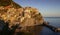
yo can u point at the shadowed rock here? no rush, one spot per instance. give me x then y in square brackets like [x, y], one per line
[6, 30]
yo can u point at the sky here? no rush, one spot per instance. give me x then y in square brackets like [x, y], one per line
[48, 8]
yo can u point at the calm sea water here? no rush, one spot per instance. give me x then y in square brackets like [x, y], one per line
[54, 22]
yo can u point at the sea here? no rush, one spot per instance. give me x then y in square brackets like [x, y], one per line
[53, 21]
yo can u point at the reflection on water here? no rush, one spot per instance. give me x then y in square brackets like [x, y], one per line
[54, 22]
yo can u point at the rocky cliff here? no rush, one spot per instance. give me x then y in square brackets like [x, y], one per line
[28, 18]
[24, 16]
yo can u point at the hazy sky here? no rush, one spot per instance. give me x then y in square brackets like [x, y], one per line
[48, 8]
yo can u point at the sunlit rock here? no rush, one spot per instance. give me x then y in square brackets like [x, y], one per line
[28, 18]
